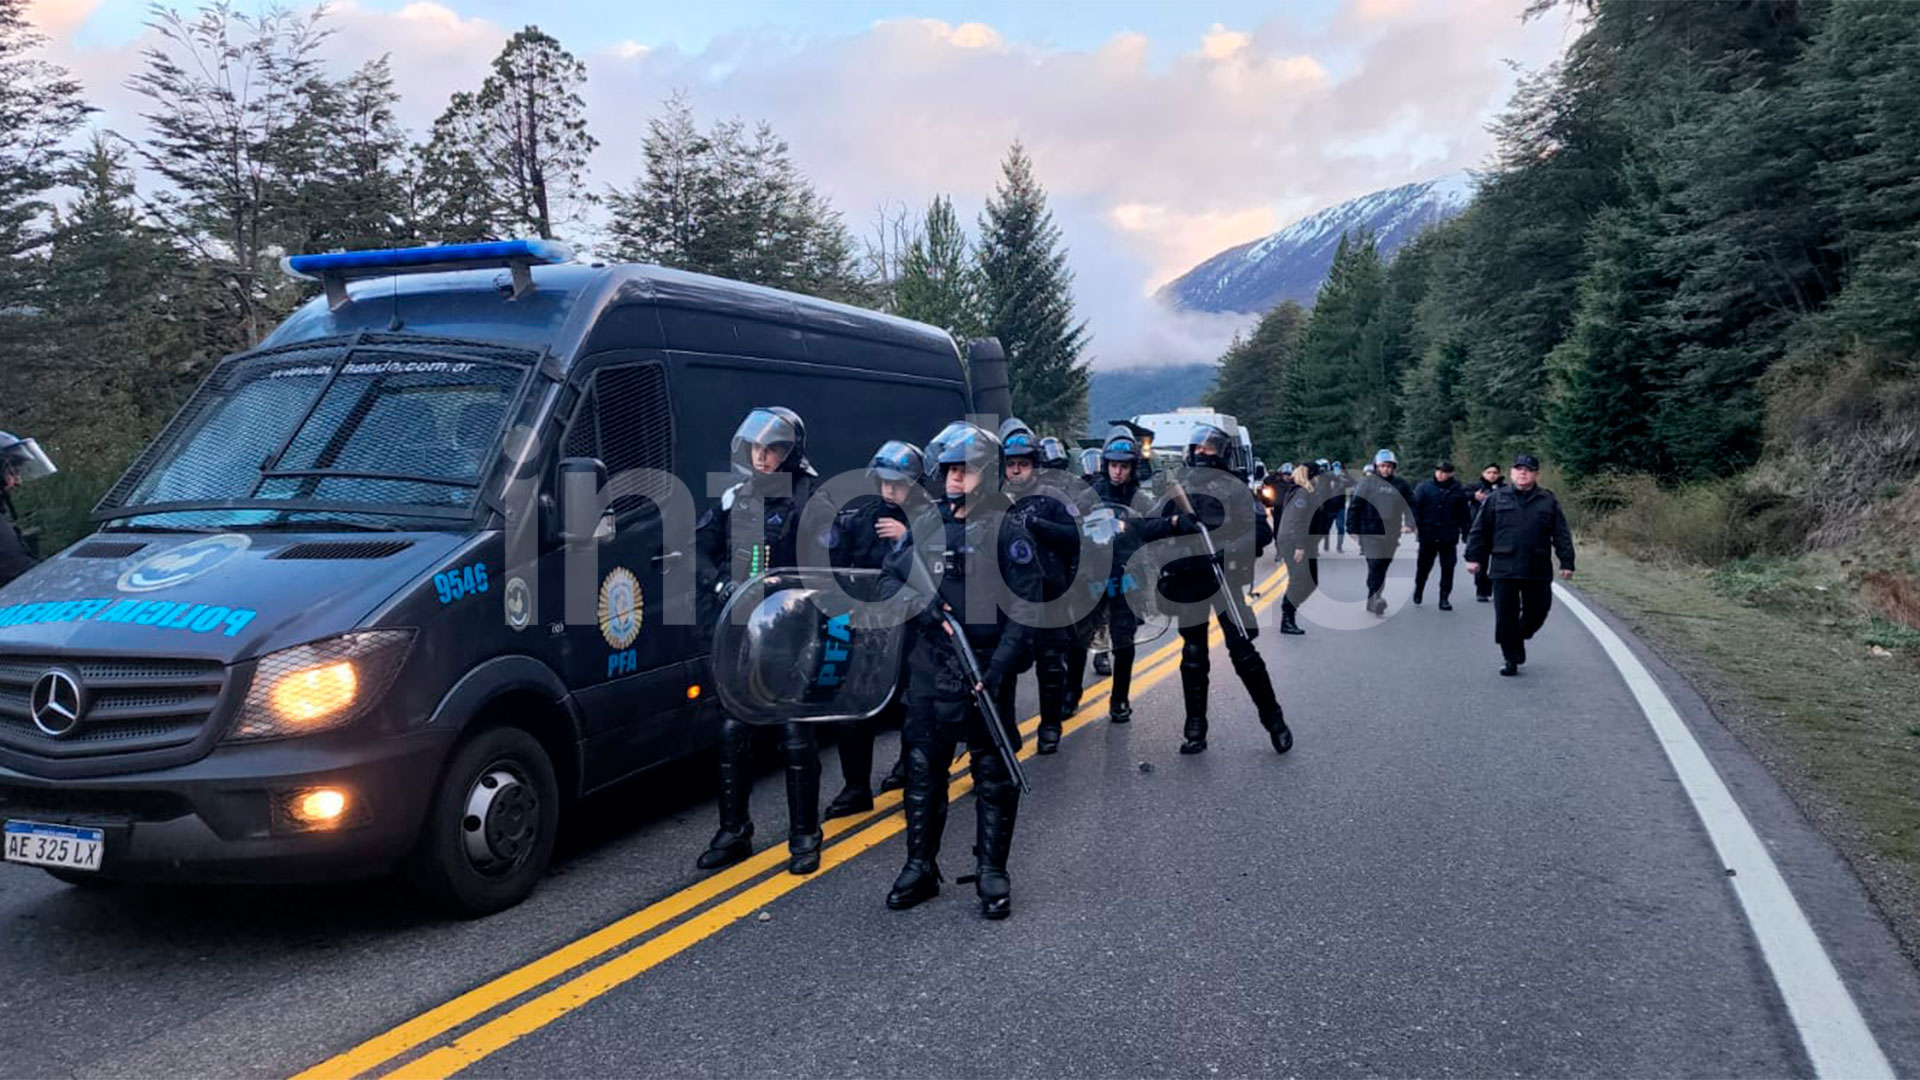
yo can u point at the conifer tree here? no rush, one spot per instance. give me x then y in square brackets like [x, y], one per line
[1026, 300]
[938, 283]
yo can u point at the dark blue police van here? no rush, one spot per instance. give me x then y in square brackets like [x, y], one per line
[323, 629]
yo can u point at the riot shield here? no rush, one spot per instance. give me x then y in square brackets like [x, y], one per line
[796, 645]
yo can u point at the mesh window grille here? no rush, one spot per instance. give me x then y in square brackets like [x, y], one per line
[626, 420]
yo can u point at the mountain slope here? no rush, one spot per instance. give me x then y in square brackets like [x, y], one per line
[1291, 264]
[1124, 392]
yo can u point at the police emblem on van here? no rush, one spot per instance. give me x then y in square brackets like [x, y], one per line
[621, 608]
[182, 564]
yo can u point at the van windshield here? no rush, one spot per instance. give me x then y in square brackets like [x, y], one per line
[344, 432]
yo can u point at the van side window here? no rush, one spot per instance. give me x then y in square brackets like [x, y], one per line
[626, 420]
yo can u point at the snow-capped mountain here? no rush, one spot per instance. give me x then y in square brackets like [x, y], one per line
[1291, 264]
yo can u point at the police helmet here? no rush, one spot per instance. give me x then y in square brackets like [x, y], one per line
[24, 458]
[1090, 462]
[1120, 446]
[1321, 464]
[1020, 442]
[1385, 457]
[1286, 468]
[1010, 425]
[897, 460]
[973, 448]
[935, 445]
[1053, 453]
[774, 426]
[1210, 446]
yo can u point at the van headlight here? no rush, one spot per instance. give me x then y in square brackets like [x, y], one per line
[321, 685]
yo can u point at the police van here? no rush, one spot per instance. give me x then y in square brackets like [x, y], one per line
[392, 590]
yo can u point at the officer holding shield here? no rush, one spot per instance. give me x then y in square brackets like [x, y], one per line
[867, 534]
[1117, 490]
[754, 526]
[1043, 545]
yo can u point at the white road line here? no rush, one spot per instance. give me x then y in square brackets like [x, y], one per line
[1835, 1035]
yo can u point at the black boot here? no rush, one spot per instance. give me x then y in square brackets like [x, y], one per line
[1048, 738]
[734, 841]
[803, 799]
[1509, 669]
[925, 804]
[1120, 710]
[1277, 731]
[1196, 735]
[1103, 663]
[896, 777]
[1194, 670]
[997, 804]
[1288, 625]
[848, 803]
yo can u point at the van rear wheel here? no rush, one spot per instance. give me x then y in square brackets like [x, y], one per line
[490, 831]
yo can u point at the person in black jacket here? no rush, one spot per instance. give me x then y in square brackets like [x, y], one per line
[1238, 537]
[1376, 515]
[942, 707]
[1119, 490]
[1045, 547]
[21, 460]
[1490, 481]
[753, 527]
[1519, 531]
[868, 534]
[1442, 514]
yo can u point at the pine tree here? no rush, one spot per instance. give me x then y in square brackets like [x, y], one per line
[1322, 414]
[40, 106]
[938, 281]
[1253, 374]
[1027, 300]
[522, 138]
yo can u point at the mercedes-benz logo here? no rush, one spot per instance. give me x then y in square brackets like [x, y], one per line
[56, 703]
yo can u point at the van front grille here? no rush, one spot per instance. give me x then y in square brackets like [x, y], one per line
[128, 705]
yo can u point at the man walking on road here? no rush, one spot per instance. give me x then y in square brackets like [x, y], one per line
[1490, 482]
[1376, 516]
[1441, 515]
[1519, 530]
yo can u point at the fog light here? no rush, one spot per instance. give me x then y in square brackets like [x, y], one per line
[322, 806]
[693, 692]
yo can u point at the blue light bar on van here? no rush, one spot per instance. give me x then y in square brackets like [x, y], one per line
[335, 269]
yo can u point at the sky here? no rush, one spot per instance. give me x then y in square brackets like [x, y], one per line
[1164, 132]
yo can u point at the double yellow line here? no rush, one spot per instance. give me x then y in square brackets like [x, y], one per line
[708, 918]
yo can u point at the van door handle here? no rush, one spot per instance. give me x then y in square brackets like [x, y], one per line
[668, 557]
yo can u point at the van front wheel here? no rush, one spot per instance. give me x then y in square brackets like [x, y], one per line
[490, 831]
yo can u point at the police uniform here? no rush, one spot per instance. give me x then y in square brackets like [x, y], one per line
[1300, 524]
[730, 554]
[1116, 605]
[1043, 547]
[1191, 580]
[16, 555]
[942, 710]
[21, 461]
[1515, 537]
[853, 541]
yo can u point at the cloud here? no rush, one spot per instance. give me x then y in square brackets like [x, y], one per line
[1155, 154]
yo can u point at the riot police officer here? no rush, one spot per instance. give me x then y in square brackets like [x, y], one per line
[1300, 523]
[942, 706]
[1044, 545]
[21, 460]
[753, 527]
[1238, 535]
[868, 534]
[1053, 454]
[1119, 488]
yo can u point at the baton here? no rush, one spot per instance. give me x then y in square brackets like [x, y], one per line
[1227, 594]
[922, 581]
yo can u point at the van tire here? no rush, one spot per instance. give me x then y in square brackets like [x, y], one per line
[490, 829]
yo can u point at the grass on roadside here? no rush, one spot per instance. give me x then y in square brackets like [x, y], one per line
[1822, 689]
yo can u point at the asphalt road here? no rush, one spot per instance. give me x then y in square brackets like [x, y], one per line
[1451, 874]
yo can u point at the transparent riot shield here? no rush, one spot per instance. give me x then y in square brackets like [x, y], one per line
[798, 645]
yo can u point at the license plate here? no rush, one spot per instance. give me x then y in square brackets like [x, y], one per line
[54, 845]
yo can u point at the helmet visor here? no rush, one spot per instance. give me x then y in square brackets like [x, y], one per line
[28, 461]
[765, 429]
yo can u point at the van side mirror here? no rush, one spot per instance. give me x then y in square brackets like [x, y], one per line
[584, 516]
